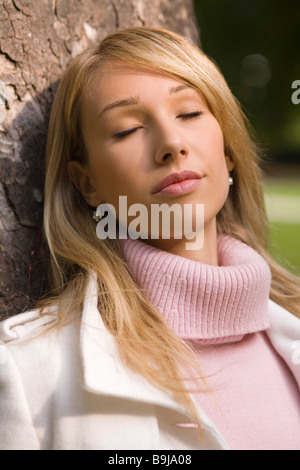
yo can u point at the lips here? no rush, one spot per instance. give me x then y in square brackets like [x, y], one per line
[176, 178]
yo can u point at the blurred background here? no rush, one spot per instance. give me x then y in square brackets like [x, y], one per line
[257, 47]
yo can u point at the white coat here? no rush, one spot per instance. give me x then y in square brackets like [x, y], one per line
[71, 391]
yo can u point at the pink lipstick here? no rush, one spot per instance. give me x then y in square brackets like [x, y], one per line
[182, 182]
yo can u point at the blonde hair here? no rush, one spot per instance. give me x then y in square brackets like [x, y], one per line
[145, 342]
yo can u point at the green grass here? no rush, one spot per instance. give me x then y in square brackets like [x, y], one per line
[283, 188]
[286, 245]
[285, 235]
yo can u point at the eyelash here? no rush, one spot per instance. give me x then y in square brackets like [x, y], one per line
[121, 134]
[185, 117]
[190, 115]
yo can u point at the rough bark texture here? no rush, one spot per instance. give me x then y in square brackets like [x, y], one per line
[37, 40]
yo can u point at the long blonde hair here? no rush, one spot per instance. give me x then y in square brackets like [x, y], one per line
[145, 342]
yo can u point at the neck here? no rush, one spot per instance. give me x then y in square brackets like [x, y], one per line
[206, 252]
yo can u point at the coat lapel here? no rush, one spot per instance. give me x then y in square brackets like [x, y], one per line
[104, 372]
[284, 334]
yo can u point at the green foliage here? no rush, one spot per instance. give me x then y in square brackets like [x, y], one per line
[233, 30]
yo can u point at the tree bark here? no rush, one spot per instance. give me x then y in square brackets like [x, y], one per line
[37, 41]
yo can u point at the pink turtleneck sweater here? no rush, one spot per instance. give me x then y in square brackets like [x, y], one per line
[223, 311]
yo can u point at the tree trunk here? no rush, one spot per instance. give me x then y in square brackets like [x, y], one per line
[37, 41]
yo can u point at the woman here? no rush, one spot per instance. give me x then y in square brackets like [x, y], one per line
[146, 344]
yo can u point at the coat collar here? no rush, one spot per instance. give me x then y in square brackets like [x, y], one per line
[104, 372]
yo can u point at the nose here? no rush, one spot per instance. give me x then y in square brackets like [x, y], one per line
[170, 144]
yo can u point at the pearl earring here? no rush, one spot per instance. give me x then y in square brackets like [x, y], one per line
[230, 180]
[96, 217]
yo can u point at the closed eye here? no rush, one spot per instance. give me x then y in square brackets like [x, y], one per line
[126, 132]
[192, 115]
[184, 116]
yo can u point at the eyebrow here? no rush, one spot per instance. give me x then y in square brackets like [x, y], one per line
[135, 99]
[178, 88]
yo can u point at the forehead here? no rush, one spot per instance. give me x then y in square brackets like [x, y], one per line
[118, 81]
[113, 77]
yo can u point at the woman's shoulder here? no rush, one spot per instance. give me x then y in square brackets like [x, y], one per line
[26, 325]
[28, 341]
[34, 347]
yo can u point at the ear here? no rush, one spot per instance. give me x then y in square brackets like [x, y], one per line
[80, 177]
[229, 163]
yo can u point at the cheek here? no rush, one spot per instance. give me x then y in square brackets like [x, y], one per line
[220, 180]
[114, 177]
[217, 168]
[217, 194]
[217, 140]
[210, 142]
[217, 155]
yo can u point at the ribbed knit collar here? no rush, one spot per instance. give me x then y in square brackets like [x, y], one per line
[212, 304]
